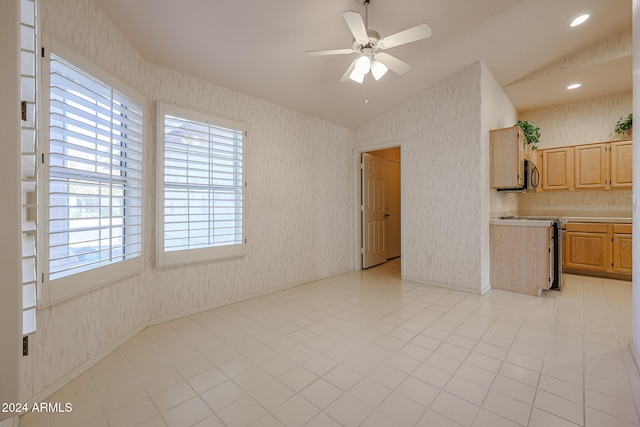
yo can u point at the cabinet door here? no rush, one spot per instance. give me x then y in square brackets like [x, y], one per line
[622, 260]
[506, 152]
[520, 258]
[556, 169]
[621, 164]
[590, 166]
[586, 251]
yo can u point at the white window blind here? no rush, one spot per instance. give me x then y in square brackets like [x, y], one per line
[29, 171]
[201, 187]
[94, 177]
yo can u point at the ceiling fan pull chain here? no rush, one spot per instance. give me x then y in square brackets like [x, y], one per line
[366, 89]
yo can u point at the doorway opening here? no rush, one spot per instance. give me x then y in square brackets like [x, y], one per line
[379, 207]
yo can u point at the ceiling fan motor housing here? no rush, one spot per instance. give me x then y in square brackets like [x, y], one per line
[371, 43]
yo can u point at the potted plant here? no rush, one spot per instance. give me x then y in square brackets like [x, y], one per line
[625, 125]
[531, 132]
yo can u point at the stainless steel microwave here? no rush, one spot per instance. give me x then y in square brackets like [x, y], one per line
[531, 179]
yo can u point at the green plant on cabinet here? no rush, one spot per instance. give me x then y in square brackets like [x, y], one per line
[531, 133]
[624, 124]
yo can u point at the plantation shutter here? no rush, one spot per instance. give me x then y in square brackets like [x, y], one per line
[95, 173]
[29, 170]
[202, 182]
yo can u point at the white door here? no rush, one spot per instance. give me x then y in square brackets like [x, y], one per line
[374, 250]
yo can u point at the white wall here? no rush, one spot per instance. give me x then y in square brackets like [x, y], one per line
[635, 340]
[10, 208]
[298, 208]
[580, 122]
[445, 197]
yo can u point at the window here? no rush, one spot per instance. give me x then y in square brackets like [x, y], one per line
[200, 186]
[93, 176]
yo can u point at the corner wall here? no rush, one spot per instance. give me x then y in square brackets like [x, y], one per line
[497, 112]
[445, 196]
[635, 294]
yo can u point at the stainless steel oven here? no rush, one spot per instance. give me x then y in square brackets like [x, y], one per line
[558, 230]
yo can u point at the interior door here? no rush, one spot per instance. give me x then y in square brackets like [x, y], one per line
[374, 250]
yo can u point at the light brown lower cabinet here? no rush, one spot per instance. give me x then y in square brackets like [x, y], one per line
[622, 259]
[598, 247]
[521, 258]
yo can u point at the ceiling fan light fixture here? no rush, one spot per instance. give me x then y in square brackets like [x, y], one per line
[378, 69]
[363, 65]
[356, 76]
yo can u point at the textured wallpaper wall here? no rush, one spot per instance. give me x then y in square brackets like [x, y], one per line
[496, 112]
[635, 341]
[580, 122]
[298, 207]
[575, 124]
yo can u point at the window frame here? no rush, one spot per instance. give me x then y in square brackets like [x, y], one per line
[187, 256]
[54, 290]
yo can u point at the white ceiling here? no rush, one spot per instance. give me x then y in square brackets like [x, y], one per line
[257, 47]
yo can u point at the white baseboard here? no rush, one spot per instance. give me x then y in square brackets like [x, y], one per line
[197, 310]
[72, 375]
[635, 354]
[10, 422]
[452, 287]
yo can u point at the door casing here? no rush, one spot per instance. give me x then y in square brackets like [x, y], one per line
[357, 188]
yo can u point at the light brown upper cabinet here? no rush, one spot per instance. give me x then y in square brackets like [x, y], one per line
[600, 166]
[621, 164]
[556, 169]
[507, 151]
[590, 166]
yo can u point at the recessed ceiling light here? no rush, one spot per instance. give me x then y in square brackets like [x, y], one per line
[574, 86]
[579, 20]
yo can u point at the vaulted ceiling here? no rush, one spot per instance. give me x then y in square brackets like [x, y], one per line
[257, 47]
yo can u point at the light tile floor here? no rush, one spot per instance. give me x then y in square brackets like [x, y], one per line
[369, 349]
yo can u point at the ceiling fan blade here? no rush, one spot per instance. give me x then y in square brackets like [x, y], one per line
[345, 78]
[393, 63]
[329, 52]
[409, 35]
[356, 25]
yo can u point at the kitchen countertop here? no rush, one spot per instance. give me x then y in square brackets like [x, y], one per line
[616, 220]
[530, 219]
[522, 222]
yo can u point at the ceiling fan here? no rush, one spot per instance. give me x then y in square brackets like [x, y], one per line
[368, 44]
